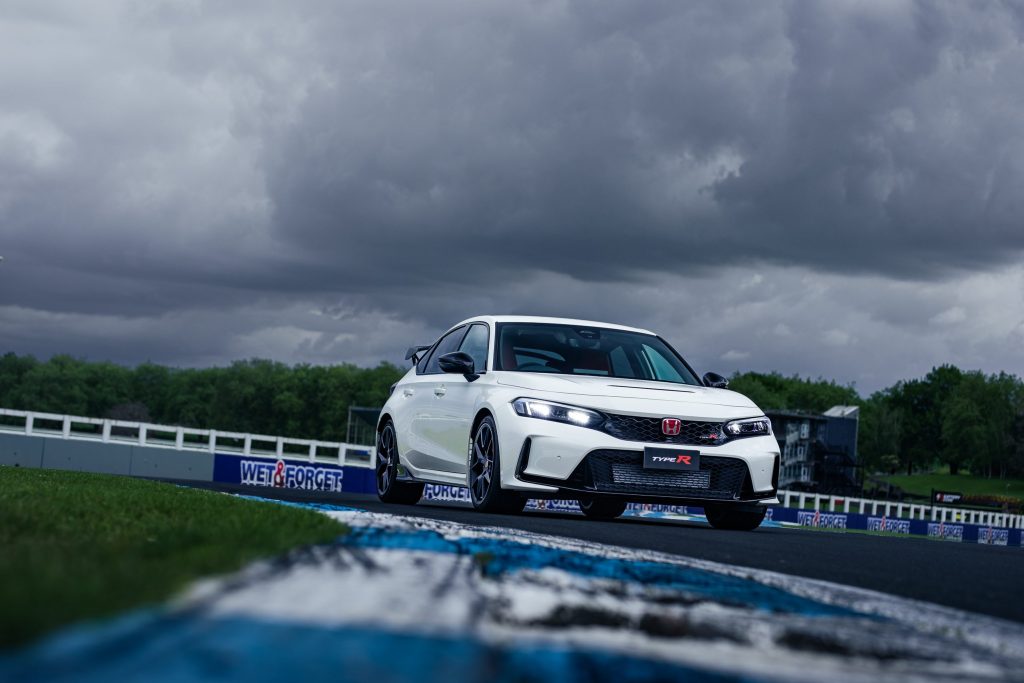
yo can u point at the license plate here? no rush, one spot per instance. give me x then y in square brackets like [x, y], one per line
[671, 459]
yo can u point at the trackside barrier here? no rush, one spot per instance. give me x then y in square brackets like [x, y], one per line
[894, 510]
[260, 460]
[965, 533]
[91, 429]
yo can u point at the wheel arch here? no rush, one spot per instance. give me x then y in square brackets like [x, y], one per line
[479, 417]
[384, 417]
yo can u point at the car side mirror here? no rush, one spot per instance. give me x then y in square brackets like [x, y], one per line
[715, 381]
[459, 363]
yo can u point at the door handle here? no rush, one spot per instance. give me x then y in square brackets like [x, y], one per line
[407, 392]
[440, 391]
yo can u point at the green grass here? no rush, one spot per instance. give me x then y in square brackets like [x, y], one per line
[79, 546]
[967, 484]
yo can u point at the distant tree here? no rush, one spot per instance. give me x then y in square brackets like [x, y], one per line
[967, 426]
[920, 403]
[57, 386]
[13, 369]
[1015, 459]
[774, 391]
[964, 419]
[879, 434]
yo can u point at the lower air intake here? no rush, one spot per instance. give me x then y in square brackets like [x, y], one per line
[614, 471]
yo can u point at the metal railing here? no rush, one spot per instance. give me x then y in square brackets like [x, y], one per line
[79, 428]
[213, 441]
[896, 510]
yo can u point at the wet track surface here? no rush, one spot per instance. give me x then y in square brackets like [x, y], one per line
[438, 592]
[971, 577]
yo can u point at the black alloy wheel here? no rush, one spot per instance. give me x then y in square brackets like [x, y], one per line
[485, 472]
[389, 488]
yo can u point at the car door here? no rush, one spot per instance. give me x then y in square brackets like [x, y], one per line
[407, 411]
[425, 436]
[456, 401]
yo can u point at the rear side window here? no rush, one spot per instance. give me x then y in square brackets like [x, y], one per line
[475, 344]
[448, 343]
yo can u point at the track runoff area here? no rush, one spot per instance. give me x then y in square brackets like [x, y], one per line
[986, 579]
[438, 592]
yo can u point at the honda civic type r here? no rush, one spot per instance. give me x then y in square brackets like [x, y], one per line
[526, 407]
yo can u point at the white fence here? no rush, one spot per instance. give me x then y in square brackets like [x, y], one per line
[213, 441]
[897, 510]
[182, 438]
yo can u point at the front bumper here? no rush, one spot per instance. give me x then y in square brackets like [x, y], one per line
[551, 458]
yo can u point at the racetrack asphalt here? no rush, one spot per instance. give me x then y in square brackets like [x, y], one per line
[977, 578]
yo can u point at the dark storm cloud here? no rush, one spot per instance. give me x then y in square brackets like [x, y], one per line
[573, 138]
[595, 141]
[195, 182]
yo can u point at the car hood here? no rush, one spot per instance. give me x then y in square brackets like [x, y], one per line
[618, 388]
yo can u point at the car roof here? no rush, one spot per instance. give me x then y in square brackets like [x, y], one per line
[492, 319]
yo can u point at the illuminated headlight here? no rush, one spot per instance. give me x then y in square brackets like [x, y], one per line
[556, 412]
[755, 426]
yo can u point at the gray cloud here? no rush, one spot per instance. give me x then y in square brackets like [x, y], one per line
[844, 138]
[781, 185]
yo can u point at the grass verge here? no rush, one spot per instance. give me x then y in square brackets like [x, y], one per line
[967, 484]
[78, 546]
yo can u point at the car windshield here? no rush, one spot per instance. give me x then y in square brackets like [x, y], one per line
[573, 350]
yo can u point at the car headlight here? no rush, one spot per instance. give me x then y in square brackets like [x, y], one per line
[557, 412]
[754, 426]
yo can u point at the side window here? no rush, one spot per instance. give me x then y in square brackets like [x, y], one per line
[447, 344]
[662, 368]
[421, 366]
[475, 344]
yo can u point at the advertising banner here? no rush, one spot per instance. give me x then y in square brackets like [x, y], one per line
[277, 473]
[946, 497]
[460, 494]
[297, 474]
[446, 493]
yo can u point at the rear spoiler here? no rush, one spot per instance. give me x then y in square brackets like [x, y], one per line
[414, 353]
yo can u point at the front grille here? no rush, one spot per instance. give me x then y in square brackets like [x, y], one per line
[648, 430]
[613, 471]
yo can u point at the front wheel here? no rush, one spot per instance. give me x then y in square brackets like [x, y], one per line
[726, 517]
[602, 508]
[389, 489]
[485, 472]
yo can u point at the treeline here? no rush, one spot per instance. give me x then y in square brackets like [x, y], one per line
[966, 420]
[301, 401]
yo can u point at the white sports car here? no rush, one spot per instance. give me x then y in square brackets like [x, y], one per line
[525, 407]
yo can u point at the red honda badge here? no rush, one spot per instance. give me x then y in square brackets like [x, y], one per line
[671, 426]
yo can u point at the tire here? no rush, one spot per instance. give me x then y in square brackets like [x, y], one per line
[389, 489]
[602, 508]
[484, 475]
[725, 517]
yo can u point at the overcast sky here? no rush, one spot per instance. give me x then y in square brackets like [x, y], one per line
[826, 188]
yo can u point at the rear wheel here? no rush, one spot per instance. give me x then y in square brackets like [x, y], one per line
[389, 489]
[602, 508]
[485, 472]
[725, 517]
